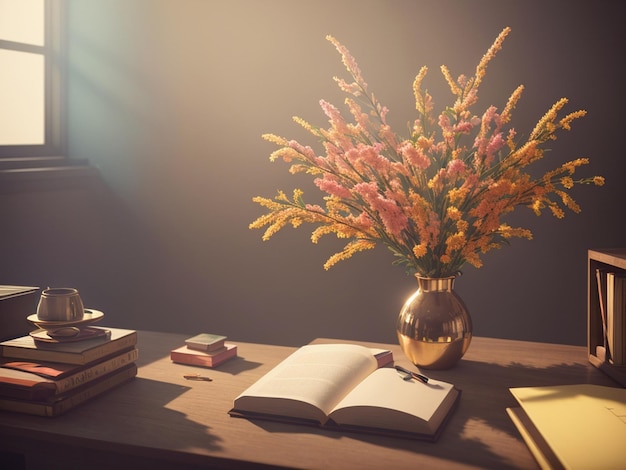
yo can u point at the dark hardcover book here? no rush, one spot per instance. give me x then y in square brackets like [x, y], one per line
[29, 380]
[16, 303]
[193, 357]
[63, 403]
[206, 342]
[340, 387]
[79, 352]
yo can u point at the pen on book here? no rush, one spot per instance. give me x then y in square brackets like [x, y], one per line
[413, 375]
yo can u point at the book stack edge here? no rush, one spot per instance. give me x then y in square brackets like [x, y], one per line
[50, 379]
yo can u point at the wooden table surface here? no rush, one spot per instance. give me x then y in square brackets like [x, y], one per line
[165, 421]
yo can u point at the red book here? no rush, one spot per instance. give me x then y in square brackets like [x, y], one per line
[193, 357]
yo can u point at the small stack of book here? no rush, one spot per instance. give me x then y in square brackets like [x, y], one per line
[48, 379]
[205, 350]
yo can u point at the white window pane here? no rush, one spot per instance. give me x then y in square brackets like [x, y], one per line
[22, 103]
[22, 21]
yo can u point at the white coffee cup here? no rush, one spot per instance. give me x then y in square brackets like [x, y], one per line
[61, 304]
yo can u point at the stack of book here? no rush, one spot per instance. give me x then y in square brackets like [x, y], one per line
[50, 378]
[205, 350]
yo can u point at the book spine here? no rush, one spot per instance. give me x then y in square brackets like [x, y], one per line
[203, 360]
[619, 319]
[600, 280]
[204, 346]
[95, 371]
[616, 318]
[610, 312]
[191, 360]
[107, 383]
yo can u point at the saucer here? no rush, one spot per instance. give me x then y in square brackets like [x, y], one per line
[90, 316]
[82, 334]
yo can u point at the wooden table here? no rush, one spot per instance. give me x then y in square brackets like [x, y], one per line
[161, 420]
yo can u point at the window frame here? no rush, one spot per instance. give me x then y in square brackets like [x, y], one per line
[53, 50]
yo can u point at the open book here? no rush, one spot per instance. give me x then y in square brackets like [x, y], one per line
[339, 386]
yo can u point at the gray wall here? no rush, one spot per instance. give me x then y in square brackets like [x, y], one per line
[169, 100]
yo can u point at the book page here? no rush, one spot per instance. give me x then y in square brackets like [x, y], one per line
[318, 375]
[385, 400]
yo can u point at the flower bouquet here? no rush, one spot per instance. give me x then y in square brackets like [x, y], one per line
[437, 197]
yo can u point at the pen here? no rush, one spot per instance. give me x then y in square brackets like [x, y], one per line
[198, 377]
[413, 375]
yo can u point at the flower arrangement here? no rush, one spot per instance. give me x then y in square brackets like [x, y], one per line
[436, 198]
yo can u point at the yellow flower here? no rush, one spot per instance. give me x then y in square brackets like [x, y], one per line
[567, 182]
[456, 241]
[419, 250]
[420, 104]
[305, 125]
[511, 103]
[566, 121]
[454, 213]
[350, 249]
[546, 123]
[451, 83]
[275, 139]
[481, 69]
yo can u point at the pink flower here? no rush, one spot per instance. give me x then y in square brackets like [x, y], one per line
[456, 168]
[416, 157]
[304, 150]
[496, 142]
[330, 185]
[388, 210]
[463, 127]
[362, 222]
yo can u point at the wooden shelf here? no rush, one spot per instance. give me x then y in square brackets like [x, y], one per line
[605, 259]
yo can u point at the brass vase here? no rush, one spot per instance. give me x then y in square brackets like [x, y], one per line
[434, 327]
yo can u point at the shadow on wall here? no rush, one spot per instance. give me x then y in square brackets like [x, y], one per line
[76, 234]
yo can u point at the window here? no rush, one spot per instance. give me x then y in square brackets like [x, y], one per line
[31, 79]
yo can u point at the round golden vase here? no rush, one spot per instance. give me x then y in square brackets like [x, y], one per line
[434, 327]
